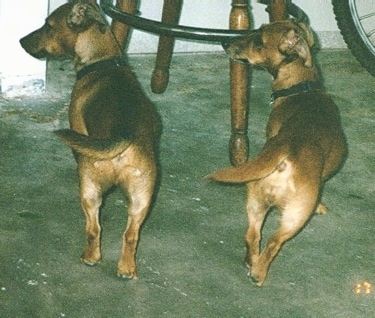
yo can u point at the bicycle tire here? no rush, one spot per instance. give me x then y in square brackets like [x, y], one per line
[352, 36]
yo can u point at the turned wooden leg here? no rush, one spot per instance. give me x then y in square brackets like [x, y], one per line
[160, 76]
[121, 30]
[239, 85]
[277, 10]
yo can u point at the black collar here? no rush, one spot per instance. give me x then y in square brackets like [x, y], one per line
[303, 87]
[117, 61]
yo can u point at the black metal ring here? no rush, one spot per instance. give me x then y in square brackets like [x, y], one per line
[177, 31]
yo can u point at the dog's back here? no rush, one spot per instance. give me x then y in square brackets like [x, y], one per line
[299, 121]
[115, 115]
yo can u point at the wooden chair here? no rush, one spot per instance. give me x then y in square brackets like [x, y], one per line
[240, 74]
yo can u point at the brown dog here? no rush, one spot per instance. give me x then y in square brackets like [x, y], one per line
[114, 127]
[305, 143]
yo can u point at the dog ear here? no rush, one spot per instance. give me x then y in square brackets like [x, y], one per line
[84, 13]
[294, 43]
[308, 33]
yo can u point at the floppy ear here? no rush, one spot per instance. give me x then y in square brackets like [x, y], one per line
[84, 13]
[294, 43]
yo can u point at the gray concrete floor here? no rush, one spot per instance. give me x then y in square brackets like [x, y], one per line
[190, 258]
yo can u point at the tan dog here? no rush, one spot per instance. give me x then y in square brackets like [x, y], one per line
[305, 143]
[114, 127]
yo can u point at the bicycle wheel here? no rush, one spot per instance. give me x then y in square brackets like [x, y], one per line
[357, 26]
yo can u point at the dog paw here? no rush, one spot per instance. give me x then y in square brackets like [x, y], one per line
[255, 279]
[126, 276]
[257, 275]
[321, 209]
[90, 260]
[91, 264]
[126, 271]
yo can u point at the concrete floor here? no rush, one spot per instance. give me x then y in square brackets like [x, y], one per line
[190, 258]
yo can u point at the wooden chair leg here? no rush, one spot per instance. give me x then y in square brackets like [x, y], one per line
[121, 30]
[277, 10]
[160, 76]
[239, 85]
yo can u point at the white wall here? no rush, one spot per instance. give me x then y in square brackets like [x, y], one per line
[215, 14]
[22, 74]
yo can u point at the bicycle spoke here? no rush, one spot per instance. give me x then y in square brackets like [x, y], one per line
[370, 15]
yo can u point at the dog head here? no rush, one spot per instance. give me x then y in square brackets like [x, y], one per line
[58, 36]
[273, 44]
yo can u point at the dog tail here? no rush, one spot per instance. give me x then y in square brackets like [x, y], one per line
[270, 159]
[101, 149]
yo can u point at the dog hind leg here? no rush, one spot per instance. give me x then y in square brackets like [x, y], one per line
[256, 210]
[140, 193]
[294, 218]
[91, 200]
